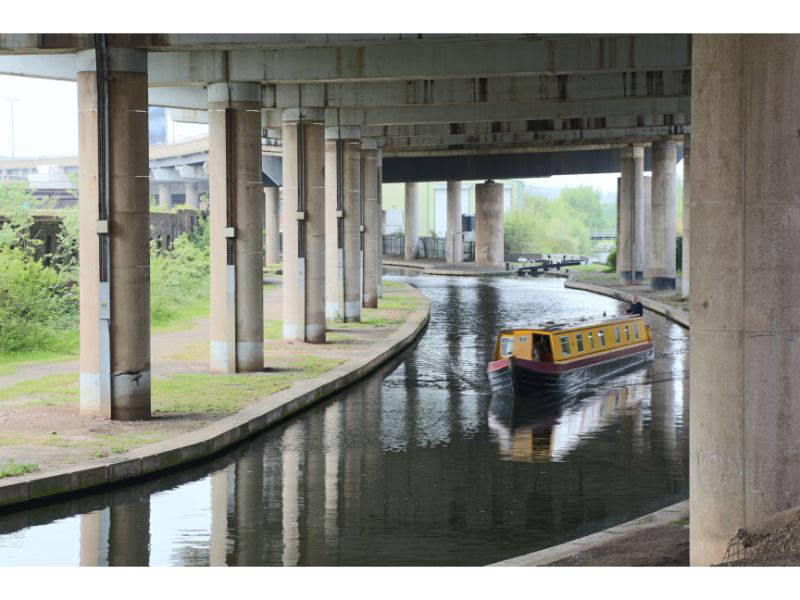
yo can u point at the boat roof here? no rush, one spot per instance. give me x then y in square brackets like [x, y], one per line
[579, 323]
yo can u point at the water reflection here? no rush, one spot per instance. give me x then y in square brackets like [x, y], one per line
[417, 464]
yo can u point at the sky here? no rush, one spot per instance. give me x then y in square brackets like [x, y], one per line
[46, 124]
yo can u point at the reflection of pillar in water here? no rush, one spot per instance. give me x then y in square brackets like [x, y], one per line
[94, 538]
[332, 433]
[314, 492]
[218, 542]
[292, 438]
[129, 529]
[487, 309]
[351, 492]
[248, 500]
[662, 411]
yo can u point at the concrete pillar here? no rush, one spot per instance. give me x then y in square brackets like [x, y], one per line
[372, 217]
[662, 267]
[744, 307]
[343, 247]
[646, 247]
[164, 196]
[381, 223]
[630, 215]
[114, 300]
[272, 225]
[303, 224]
[455, 239]
[411, 220]
[687, 144]
[489, 238]
[192, 197]
[237, 223]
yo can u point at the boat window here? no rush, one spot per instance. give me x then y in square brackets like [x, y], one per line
[602, 337]
[591, 340]
[636, 331]
[506, 345]
[564, 345]
[627, 334]
[541, 348]
[616, 333]
[523, 339]
[579, 341]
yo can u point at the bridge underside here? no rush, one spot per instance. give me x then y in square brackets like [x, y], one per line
[345, 112]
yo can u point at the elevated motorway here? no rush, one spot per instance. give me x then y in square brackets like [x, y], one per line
[349, 111]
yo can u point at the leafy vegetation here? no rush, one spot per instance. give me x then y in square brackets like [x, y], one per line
[180, 278]
[38, 303]
[561, 225]
[13, 469]
[39, 300]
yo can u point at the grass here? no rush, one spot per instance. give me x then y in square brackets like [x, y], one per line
[191, 393]
[335, 336]
[183, 317]
[273, 329]
[49, 390]
[9, 361]
[386, 313]
[12, 469]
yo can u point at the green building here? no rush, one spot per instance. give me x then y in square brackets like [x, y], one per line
[433, 203]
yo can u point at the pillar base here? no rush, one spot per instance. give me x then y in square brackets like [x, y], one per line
[662, 283]
[625, 278]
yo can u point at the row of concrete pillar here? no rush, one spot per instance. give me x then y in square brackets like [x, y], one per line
[489, 232]
[191, 195]
[646, 217]
[331, 218]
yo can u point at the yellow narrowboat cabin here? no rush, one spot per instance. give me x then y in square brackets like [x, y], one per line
[558, 357]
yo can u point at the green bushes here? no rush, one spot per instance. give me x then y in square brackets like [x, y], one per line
[561, 225]
[611, 261]
[38, 305]
[179, 277]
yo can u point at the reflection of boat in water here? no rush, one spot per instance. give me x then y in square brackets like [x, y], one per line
[527, 434]
[559, 357]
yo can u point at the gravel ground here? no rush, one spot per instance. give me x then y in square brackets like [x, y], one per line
[664, 546]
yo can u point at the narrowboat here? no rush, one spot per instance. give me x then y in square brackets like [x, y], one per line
[555, 358]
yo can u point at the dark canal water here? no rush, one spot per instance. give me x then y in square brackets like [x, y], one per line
[416, 465]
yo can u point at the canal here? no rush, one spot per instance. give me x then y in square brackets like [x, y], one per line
[417, 464]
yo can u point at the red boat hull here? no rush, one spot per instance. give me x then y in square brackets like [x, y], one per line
[533, 378]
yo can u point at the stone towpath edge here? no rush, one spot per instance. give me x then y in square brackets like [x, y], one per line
[203, 443]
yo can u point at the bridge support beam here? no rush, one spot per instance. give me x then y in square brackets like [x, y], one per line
[237, 223]
[745, 303]
[662, 264]
[114, 242]
[343, 247]
[381, 221]
[411, 220]
[372, 218]
[685, 245]
[272, 241]
[630, 216]
[164, 196]
[647, 225]
[489, 232]
[303, 224]
[192, 198]
[455, 239]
